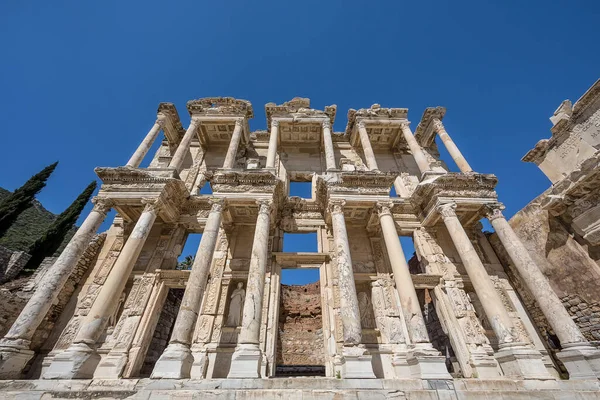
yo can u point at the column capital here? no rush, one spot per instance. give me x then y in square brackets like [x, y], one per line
[405, 125]
[493, 211]
[361, 124]
[274, 123]
[437, 125]
[336, 206]
[384, 208]
[326, 124]
[152, 204]
[264, 206]
[161, 120]
[239, 122]
[447, 210]
[102, 204]
[216, 204]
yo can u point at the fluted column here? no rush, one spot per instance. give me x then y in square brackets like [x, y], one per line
[404, 285]
[367, 148]
[233, 144]
[577, 351]
[184, 146]
[81, 359]
[328, 145]
[273, 139]
[415, 149]
[246, 359]
[137, 157]
[456, 155]
[176, 361]
[14, 347]
[483, 285]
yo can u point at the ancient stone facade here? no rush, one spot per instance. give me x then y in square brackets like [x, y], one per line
[376, 322]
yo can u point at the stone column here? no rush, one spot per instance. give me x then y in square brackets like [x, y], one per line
[427, 362]
[357, 359]
[456, 155]
[176, 361]
[517, 359]
[273, 139]
[80, 359]
[415, 149]
[14, 347]
[328, 144]
[367, 149]
[246, 360]
[233, 145]
[579, 357]
[184, 146]
[137, 157]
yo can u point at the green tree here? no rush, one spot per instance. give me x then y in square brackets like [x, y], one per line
[186, 263]
[51, 240]
[22, 198]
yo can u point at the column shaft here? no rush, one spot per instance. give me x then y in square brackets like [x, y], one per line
[328, 145]
[95, 321]
[137, 157]
[273, 139]
[558, 317]
[404, 284]
[349, 309]
[196, 284]
[415, 149]
[184, 146]
[252, 314]
[367, 148]
[483, 285]
[456, 155]
[233, 145]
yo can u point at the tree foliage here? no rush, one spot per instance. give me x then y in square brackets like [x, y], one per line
[22, 198]
[51, 240]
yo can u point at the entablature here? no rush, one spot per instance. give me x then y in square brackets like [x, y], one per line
[425, 132]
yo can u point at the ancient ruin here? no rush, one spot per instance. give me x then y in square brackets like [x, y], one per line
[452, 323]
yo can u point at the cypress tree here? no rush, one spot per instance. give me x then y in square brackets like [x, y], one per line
[51, 240]
[21, 199]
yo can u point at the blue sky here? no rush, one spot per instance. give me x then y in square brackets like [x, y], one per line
[80, 81]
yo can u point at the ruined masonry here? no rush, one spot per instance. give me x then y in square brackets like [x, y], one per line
[454, 323]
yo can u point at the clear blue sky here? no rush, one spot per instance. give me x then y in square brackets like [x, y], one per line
[80, 81]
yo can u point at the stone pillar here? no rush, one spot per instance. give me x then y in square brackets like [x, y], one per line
[176, 361]
[415, 149]
[425, 361]
[80, 359]
[184, 146]
[14, 347]
[367, 149]
[246, 360]
[233, 145]
[517, 359]
[579, 357]
[456, 155]
[401, 190]
[137, 157]
[328, 145]
[273, 139]
[357, 361]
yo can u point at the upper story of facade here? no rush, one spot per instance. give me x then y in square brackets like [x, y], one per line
[377, 151]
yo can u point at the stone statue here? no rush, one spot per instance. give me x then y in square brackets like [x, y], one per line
[366, 311]
[236, 306]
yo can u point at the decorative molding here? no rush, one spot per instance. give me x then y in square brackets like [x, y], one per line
[447, 210]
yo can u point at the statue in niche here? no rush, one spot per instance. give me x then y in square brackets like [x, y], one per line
[112, 319]
[365, 307]
[236, 306]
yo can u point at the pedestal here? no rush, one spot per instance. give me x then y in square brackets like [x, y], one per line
[520, 361]
[14, 356]
[111, 366]
[77, 362]
[245, 362]
[581, 360]
[426, 362]
[357, 363]
[175, 363]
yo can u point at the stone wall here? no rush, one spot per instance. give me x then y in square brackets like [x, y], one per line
[300, 339]
[11, 263]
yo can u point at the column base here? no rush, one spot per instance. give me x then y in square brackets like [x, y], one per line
[521, 361]
[174, 363]
[357, 363]
[425, 362]
[14, 356]
[484, 366]
[79, 361]
[245, 362]
[400, 364]
[111, 366]
[581, 360]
